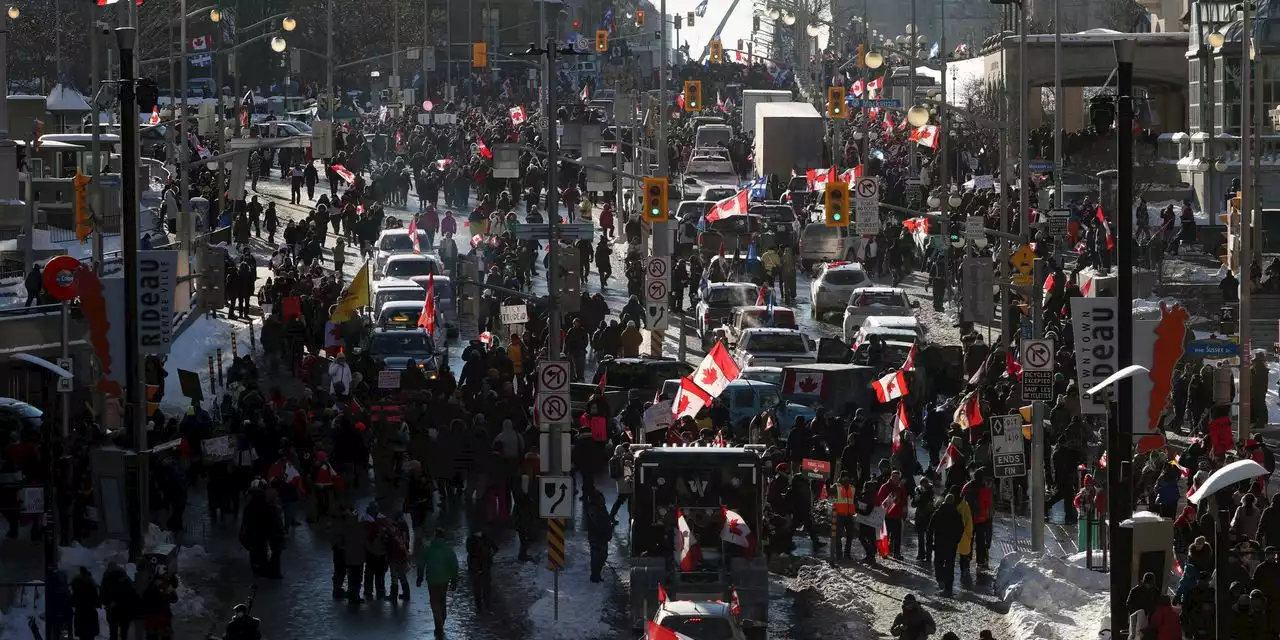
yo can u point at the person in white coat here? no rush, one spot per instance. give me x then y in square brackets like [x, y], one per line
[339, 373]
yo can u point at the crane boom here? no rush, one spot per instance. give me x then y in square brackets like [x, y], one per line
[706, 48]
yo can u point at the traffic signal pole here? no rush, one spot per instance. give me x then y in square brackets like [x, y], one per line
[660, 239]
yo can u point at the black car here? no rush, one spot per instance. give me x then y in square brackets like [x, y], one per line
[394, 348]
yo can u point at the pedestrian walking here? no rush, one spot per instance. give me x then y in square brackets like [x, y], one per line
[438, 564]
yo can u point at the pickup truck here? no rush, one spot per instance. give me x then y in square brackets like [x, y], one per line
[773, 347]
[750, 317]
[620, 376]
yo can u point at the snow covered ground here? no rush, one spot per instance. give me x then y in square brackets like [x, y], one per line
[1186, 272]
[192, 349]
[582, 613]
[12, 292]
[1051, 598]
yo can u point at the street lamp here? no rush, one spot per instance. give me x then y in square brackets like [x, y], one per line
[375, 74]
[1216, 39]
[873, 59]
[289, 24]
[812, 30]
[918, 116]
[1220, 165]
[789, 19]
[14, 12]
[934, 202]
[215, 15]
[774, 14]
[955, 200]
[278, 44]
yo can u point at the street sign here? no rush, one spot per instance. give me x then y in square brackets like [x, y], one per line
[1007, 452]
[1058, 219]
[514, 314]
[1024, 259]
[573, 230]
[883, 103]
[555, 497]
[553, 377]
[657, 288]
[553, 408]
[1211, 348]
[1095, 325]
[866, 200]
[1021, 280]
[545, 447]
[157, 282]
[64, 384]
[977, 285]
[1041, 166]
[975, 228]
[1036, 358]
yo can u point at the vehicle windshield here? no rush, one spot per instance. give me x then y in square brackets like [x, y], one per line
[731, 296]
[401, 295]
[775, 342]
[736, 224]
[775, 213]
[699, 628]
[883, 298]
[720, 193]
[400, 344]
[396, 243]
[844, 277]
[410, 268]
[401, 318]
[691, 211]
[703, 166]
[642, 375]
[763, 375]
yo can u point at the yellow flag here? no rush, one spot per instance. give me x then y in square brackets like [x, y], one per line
[356, 296]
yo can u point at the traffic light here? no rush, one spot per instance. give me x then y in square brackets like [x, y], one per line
[640, 17]
[689, 20]
[755, 25]
[836, 207]
[479, 55]
[835, 104]
[716, 51]
[862, 56]
[602, 41]
[655, 200]
[740, 48]
[577, 25]
[146, 94]
[39, 133]
[679, 21]
[84, 224]
[693, 95]
[153, 399]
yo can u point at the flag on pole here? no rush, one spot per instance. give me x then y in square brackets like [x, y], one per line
[716, 371]
[155, 115]
[413, 234]
[900, 425]
[891, 386]
[586, 92]
[355, 296]
[949, 458]
[483, 148]
[344, 173]
[910, 363]
[701, 9]
[518, 115]
[689, 400]
[662, 593]
[200, 44]
[856, 89]
[687, 554]
[735, 529]
[969, 413]
[735, 205]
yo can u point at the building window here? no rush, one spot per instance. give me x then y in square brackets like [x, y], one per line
[1193, 92]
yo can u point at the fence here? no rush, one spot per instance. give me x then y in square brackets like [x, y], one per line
[111, 225]
[24, 597]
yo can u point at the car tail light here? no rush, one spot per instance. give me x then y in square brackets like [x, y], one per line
[706, 319]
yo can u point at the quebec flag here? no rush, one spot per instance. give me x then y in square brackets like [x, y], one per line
[759, 189]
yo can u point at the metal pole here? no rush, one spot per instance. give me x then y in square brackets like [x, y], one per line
[1119, 445]
[328, 65]
[95, 144]
[125, 37]
[180, 116]
[1247, 202]
[1058, 197]
[659, 238]
[66, 353]
[1002, 108]
[448, 36]
[171, 136]
[8, 148]
[216, 202]
[913, 157]
[426, 44]
[944, 177]
[395, 57]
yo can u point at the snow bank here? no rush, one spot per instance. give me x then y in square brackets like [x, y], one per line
[1149, 309]
[582, 613]
[42, 241]
[835, 590]
[1181, 271]
[191, 351]
[1051, 598]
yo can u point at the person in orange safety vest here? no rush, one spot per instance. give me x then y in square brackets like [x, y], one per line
[844, 508]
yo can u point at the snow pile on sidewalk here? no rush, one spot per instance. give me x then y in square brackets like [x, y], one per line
[1149, 309]
[838, 594]
[1050, 598]
[581, 604]
[1182, 271]
[191, 351]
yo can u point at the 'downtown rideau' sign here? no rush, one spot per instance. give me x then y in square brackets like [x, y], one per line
[1095, 327]
[157, 282]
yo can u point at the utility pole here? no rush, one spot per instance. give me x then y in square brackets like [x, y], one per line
[395, 56]
[134, 377]
[1002, 109]
[185, 222]
[95, 144]
[659, 238]
[426, 44]
[333, 97]
[1059, 198]
[1249, 196]
[1119, 438]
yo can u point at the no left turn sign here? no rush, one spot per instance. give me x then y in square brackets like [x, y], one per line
[553, 377]
[657, 290]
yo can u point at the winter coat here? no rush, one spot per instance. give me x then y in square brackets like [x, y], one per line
[914, 624]
[946, 526]
[440, 561]
[1269, 525]
[85, 600]
[353, 539]
[965, 546]
[1165, 624]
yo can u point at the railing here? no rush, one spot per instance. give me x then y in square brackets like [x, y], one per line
[22, 596]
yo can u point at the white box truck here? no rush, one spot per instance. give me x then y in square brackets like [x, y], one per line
[753, 97]
[789, 136]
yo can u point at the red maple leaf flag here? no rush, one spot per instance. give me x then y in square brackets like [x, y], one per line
[155, 115]
[1106, 226]
[655, 631]
[687, 554]
[483, 148]
[716, 371]
[926, 136]
[735, 605]
[891, 386]
[427, 319]
[810, 383]
[735, 529]
[735, 205]
[910, 363]
[899, 426]
[949, 458]
[689, 400]
[662, 593]
[969, 413]
[518, 115]
[413, 234]
[856, 89]
[344, 173]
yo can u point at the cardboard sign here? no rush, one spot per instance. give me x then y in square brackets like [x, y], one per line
[190, 382]
[219, 448]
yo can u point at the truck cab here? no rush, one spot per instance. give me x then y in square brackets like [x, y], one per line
[699, 483]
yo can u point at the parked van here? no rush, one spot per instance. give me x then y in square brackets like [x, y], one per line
[820, 243]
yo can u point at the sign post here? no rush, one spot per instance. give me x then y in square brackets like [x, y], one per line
[1037, 370]
[555, 490]
[1008, 455]
[657, 289]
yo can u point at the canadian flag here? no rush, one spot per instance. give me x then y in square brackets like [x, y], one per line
[735, 529]
[899, 426]
[949, 458]
[483, 148]
[1106, 226]
[1086, 287]
[735, 205]
[689, 400]
[856, 89]
[344, 173]
[926, 136]
[662, 593]
[874, 87]
[443, 164]
[910, 363]
[655, 631]
[485, 338]
[518, 115]
[735, 605]
[818, 178]
[413, 235]
[891, 386]
[716, 371]
[200, 44]
[155, 115]
[687, 553]
[969, 413]
[851, 174]
[427, 319]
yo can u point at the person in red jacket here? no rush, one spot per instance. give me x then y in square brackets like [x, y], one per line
[1221, 438]
[978, 493]
[893, 497]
